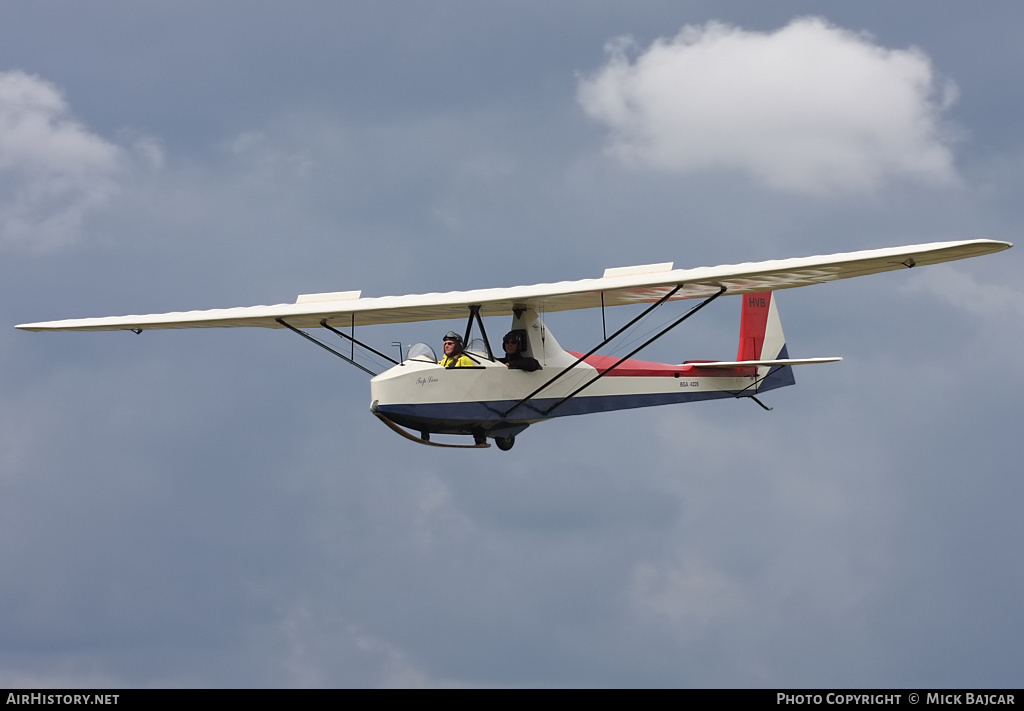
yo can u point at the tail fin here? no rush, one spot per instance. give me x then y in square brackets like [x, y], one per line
[761, 338]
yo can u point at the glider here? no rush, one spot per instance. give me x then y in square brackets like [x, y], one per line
[417, 397]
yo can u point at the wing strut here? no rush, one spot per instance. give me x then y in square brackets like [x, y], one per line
[604, 326]
[327, 347]
[602, 344]
[636, 350]
[355, 342]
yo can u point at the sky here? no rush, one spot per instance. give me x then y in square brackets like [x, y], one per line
[218, 508]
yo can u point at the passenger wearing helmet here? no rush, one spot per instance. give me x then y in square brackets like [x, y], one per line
[453, 355]
[514, 344]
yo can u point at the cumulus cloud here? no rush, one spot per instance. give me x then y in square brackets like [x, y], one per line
[809, 108]
[53, 171]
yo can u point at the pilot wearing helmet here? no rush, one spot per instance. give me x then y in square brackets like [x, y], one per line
[453, 355]
[514, 344]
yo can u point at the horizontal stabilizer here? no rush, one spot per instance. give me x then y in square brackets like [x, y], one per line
[759, 363]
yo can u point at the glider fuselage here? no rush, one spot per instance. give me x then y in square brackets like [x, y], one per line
[500, 402]
[426, 397]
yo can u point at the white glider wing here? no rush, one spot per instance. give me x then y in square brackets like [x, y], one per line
[629, 285]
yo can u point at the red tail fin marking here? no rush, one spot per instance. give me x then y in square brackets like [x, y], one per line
[753, 324]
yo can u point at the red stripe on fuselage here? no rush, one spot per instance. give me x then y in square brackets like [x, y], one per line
[648, 369]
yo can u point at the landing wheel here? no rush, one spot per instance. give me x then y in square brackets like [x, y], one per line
[505, 443]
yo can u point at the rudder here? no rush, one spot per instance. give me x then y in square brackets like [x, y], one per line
[761, 338]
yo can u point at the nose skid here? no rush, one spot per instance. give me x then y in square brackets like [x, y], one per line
[424, 437]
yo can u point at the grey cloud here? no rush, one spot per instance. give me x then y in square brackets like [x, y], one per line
[54, 171]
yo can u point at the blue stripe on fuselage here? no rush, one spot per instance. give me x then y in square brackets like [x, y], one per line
[532, 411]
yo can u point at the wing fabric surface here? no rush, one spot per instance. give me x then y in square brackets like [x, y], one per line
[345, 308]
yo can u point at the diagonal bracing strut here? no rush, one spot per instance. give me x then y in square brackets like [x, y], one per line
[593, 350]
[326, 347]
[355, 342]
[603, 343]
[636, 350]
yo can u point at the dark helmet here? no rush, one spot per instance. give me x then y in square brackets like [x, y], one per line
[516, 337]
[453, 336]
